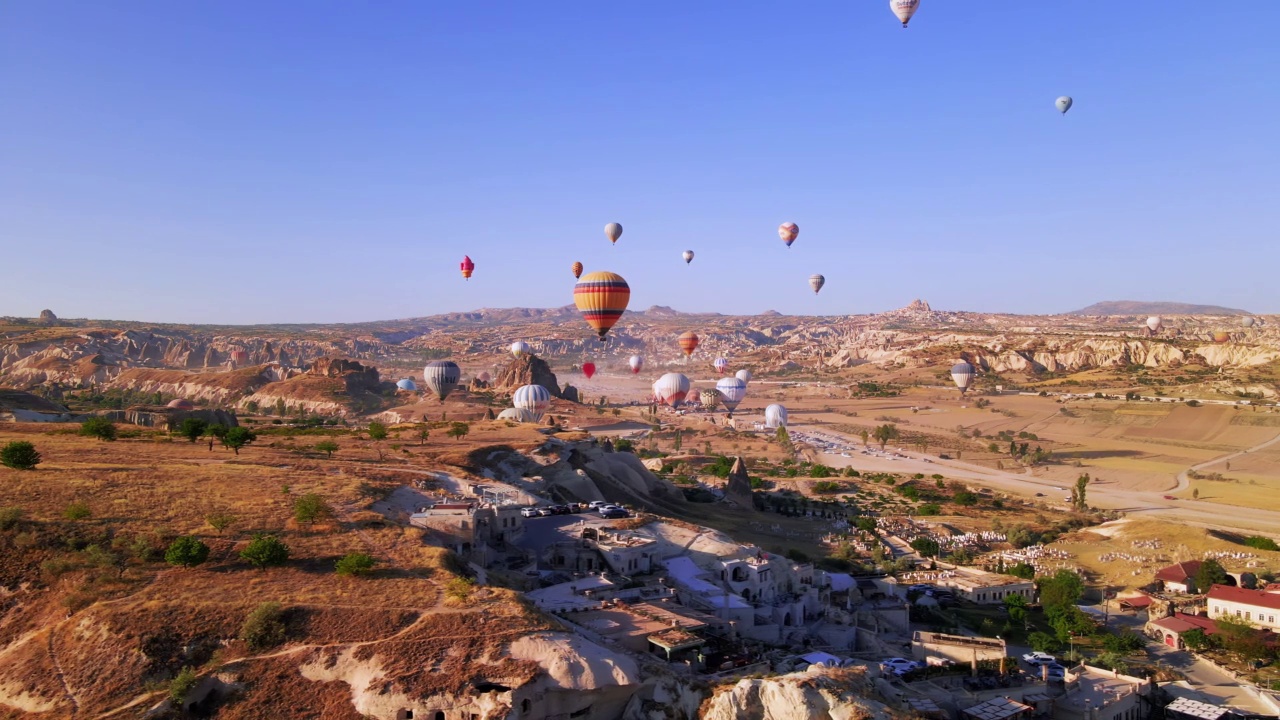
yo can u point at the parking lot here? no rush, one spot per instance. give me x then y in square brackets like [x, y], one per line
[540, 532]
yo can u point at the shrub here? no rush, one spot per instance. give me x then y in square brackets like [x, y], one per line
[77, 511]
[220, 520]
[826, 487]
[19, 455]
[192, 428]
[355, 564]
[182, 684]
[965, 497]
[927, 547]
[265, 551]
[9, 517]
[264, 627]
[310, 508]
[458, 590]
[1261, 543]
[928, 509]
[623, 445]
[186, 552]
[99, 427]
[328, 447]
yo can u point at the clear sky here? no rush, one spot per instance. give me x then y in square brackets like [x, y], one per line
[239, 161]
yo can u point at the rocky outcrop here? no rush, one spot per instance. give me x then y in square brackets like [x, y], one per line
[48, 318]
[817, 694]
[24, 407]
[737, 489]
[528, 370]
[167, 418]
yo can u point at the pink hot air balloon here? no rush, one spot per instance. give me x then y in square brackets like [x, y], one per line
[588, 369]
[788, 231]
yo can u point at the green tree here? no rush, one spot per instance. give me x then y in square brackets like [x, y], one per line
[310, 508]
[1195, 640]
[1062, 589]
[77, 511]
[19, 455]
[192, 428]
[1210, 573]
[217, 430]
[355, 564]
[186, 552]
[1043, 642]
[866, 524]
[458, 430]
[281, 409]
[181, 684]
[238, 437]
[966, 498]
[1078, 492]
[1026, 571]
[864, 435]
[328, 447]
[264, 627]
[251, 406]
[1261, 543]
[884, 433]
[220, 520]
[99, 427]
[265, 551]
[1243, 639]
[377, 433]
[926, 546]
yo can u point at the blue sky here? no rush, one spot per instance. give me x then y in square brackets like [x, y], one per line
[329, 161]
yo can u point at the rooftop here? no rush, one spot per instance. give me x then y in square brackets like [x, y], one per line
[1182, 622]
[998, 709]
[1099, 688]
[675, 639]
[1257, 598]
[1181, 572]
[1195, 708]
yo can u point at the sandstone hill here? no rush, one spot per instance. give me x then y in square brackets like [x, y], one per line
[1139, 307]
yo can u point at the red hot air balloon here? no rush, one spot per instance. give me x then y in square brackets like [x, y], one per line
[467, 266]
[577, 269]
[588, 369]
[688, 342]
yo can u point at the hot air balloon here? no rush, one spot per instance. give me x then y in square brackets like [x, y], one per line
[532, 398]
[636, 362]
[721, 365]
[442, 377]
[521, 348]
[588, 369]
[1221, 336]
[775, 416]
[467, 266]
[1247, 321]
[788, 232]
[613, 231]
[694, 396]
[239, 357]
[601, 297]
[181, 404]
[744, 375]
[816, 282]
[577, 269]
[963, 373]
[688, 256]
[485, 377]
[731, 391]
[671, 389]
[688, 342]
[1154, 323]
[1063, 104]
[519, 415]
[406, 384]
[904, 9]
[710, 398]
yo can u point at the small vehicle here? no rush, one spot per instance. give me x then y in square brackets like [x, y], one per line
[1056, 672]
[613, 513]
[1039, 494]
[932, 661]
[597, 504]
[545, 512]
[899, 666]
[944, 457]
[529, 512]
[1039, 658]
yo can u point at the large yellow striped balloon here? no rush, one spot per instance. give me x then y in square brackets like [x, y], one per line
[601, 297]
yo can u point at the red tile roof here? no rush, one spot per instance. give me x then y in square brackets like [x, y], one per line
[1180, 573]
[1138, 601]
[1256, 598]
[1181, 622]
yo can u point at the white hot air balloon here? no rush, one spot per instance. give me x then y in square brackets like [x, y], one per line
[519, 415]
[636, 362]
[688, 256]
[442, 376]
[671, 389]
[732, 391]
[775, 416]
[521, 348]
[1155, 323]
[744, 375]
[721, 365]
[904, 9]
[1063, 104]
[1247, 321]
[534, 398]
[406, 384]
[613, 231]
[963, 373]
[816, 282]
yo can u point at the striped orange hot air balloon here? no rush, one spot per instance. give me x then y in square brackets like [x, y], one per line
[577, 269]
[467, 266]
[688, 342]
[1220, 336]
[601, 297]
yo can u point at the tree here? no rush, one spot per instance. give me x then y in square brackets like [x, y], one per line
[1026, 571]
[281, 410]
[1210, 573]
[181, 684]
[1078, 493]
[238, 437]
[783, 437]
[1043, 642]
[217, 430]
[19, 455]
[264, 627]
[864, 435]
[328, 447]
[1062, 589]
[458, 430]
[1195, 640]
[423, 434]
[1261, 543]
[265, 551]
[884, 433]
[99, 427]
[192, 428]
[867, 525]
[926, 546]
[251, 406]
[966, 498]
[186, 552]
[220, 520]
[355, 564]
[311, 507]
[1242, 638]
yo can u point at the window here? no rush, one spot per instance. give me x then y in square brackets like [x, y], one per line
[525, 705]
[1247, 614]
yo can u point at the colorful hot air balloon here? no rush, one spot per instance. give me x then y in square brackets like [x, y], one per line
[744, 375]
[636, 362]
[694, 396]
[1221, 336]
[442, 377]
[710, 398]
[1063, 104]
[963, 373]
[521, 348]
[671, 389]
[731, 391]
[577, 269]
[467, 266]
[788, 231]
[613, 231]
[721, 365]
[775, 416]
[532, 398]
[588, 369]
[904, 9]
[688, 342]
[602, 297]
[816, 282]
[1154, 323]
[688, 256]
[406, 384]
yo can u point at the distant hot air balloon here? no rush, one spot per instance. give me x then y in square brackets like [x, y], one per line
[636, 362]
[577, 269]
[521, 348]
[588, 369]
[1221, 336]
[1063, 104]
[788, 231]
[1155, 323]
[671, 389]
[732, 391]
[467, 266]
[710, 398]
[519, 415]
[775, 416]
[407, 384]
[181, 404]
[688, 342]
[613, 231]
[602, 297]
[904, 9]
[533, 398]
[721, 365]
[239, 357]
[744, 375]
[485, 377]
[688, 256]
[963, 373]
[694, 396]
[816, 282]
[1247, 321]
[442, 376]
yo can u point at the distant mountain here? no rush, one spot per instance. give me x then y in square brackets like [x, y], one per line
[1138, 307]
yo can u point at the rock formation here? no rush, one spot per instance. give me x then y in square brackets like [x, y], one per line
[737, 488]
[24, 407]
[48, 318]
[168, 418]
[528, 370]
[816, 694]
[355, 375]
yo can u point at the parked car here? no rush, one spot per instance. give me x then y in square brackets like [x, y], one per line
[613, 513]
[1039, 658]
[899, 666]
[545, 512]
[597, 504]
[1056, 672]
[934, 661]
[529, 512]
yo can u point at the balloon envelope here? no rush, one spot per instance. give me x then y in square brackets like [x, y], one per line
[1247, 321]
[181, 404]
[577, 269]
[588, 369]
[601, 297]
[732, 391]
[1154, 323]
[710, 398]
[1063, 104]
[788, 231]
[533, 398]
[963, 373]
[744, 375]
[694, 396]
[519, 415]
[613, 231]
[636, 362]
[775, 416]
[904, 9]
[467, 266]
[688, 342]
[671, 389]
[1221, 336]
[406, 384]
[688, 256]
[484, 377]
[521, 348]
[816, 282]
[721, 365]
[442, 377]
